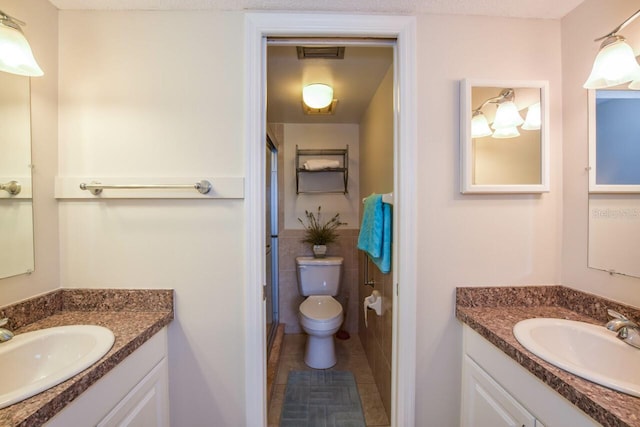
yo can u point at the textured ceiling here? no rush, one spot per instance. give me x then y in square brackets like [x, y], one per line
[549, 9]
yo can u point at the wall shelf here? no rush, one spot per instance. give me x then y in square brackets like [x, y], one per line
[341, 155]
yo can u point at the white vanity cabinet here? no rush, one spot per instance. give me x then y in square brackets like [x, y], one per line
[485, 403]
[134, 393]
[497, 391]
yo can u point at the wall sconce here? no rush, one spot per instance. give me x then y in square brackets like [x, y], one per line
[507, 118]
[615, 63]
[15, 53]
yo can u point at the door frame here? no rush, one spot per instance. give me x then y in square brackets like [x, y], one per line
[259, 26]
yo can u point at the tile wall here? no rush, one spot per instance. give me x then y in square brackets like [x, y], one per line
[377, 337]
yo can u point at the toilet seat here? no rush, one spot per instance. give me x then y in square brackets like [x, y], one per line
[321, 312]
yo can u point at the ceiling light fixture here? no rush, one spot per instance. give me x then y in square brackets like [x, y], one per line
[507, 118]
[317, 95]
[15, 53]
[615, 63]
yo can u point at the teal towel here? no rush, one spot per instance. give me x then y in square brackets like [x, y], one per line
[375, 232]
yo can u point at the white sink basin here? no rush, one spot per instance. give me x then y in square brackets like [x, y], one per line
[36, 361]
[588, 351]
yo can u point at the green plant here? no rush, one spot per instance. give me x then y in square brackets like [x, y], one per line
[317, 232]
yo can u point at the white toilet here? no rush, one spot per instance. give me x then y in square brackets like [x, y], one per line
[320, 314]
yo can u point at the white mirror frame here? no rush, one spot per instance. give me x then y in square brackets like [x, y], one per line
[593, 173]
[466, 144]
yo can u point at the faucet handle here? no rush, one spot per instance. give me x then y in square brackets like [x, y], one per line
[4, 321]
[616, 315]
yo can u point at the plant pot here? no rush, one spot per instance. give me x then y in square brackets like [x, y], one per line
[319, 251]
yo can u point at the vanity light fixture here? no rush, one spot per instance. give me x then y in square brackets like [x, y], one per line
[504, 133]
[533, 121]
[15, 53]
[506, 120]
[479, 125]
[507, 115]
[317, 95]
[615, 63]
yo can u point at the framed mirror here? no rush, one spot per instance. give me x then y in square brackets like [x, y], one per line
[614, 180]
[504, 143]
[614, 141]
[16, 207]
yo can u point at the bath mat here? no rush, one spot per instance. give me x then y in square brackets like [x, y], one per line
[321, 399]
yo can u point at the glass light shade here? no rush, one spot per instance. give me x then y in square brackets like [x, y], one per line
[533, 120]
[15, 53]
[479, 126]
[317, 95]
[615, 64]
[507, 116]
[510, 132]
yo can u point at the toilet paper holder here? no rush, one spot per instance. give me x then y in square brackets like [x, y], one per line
[372, 302]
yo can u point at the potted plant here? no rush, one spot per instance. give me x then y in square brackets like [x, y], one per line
[319, 234]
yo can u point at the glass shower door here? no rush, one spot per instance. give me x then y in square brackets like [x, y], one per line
[271, 238]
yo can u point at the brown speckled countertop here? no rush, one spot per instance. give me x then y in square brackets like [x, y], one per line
[134, 316]
[492, 312]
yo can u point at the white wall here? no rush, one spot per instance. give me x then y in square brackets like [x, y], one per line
[160, 94]
[469, 240]
[590, 20]
[42, 33]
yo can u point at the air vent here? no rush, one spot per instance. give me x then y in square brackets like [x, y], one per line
[323, 52]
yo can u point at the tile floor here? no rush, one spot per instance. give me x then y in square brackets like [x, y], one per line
[351, 357]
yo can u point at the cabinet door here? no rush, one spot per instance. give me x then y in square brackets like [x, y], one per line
[147, 405]
[486, 404]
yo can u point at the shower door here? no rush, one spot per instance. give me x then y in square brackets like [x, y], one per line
[271, 238]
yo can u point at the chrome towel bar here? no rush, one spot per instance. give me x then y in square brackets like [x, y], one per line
[203, 187]
[11, 187]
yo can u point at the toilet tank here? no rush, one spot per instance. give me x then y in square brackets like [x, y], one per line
[319, 276]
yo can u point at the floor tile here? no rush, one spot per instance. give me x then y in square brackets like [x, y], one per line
[351, 357]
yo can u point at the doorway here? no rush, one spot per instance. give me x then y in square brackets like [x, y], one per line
[356, 132]
[258, 27]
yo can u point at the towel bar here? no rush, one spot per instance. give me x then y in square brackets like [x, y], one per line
[203, 187]
[11, 187]
[386, 198]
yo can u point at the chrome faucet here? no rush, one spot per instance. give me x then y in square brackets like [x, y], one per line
[628, 331]
[5, 334]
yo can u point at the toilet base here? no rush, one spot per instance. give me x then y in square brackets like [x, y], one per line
[320, 352]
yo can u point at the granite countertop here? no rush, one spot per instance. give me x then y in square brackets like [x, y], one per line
[492, 312]
[134, 316]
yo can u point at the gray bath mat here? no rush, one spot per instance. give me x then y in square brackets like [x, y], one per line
[321, 399]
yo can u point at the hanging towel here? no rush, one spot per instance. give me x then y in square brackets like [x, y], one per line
[375, 232]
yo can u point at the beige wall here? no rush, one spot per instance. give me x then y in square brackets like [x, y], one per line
[160, 94]
[42, 33]
[376, 176]
[589, 21]
[472, 240]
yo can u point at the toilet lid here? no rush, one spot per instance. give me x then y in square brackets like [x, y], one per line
[320, 307]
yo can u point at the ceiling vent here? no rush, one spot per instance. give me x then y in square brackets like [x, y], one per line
[320, 52]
